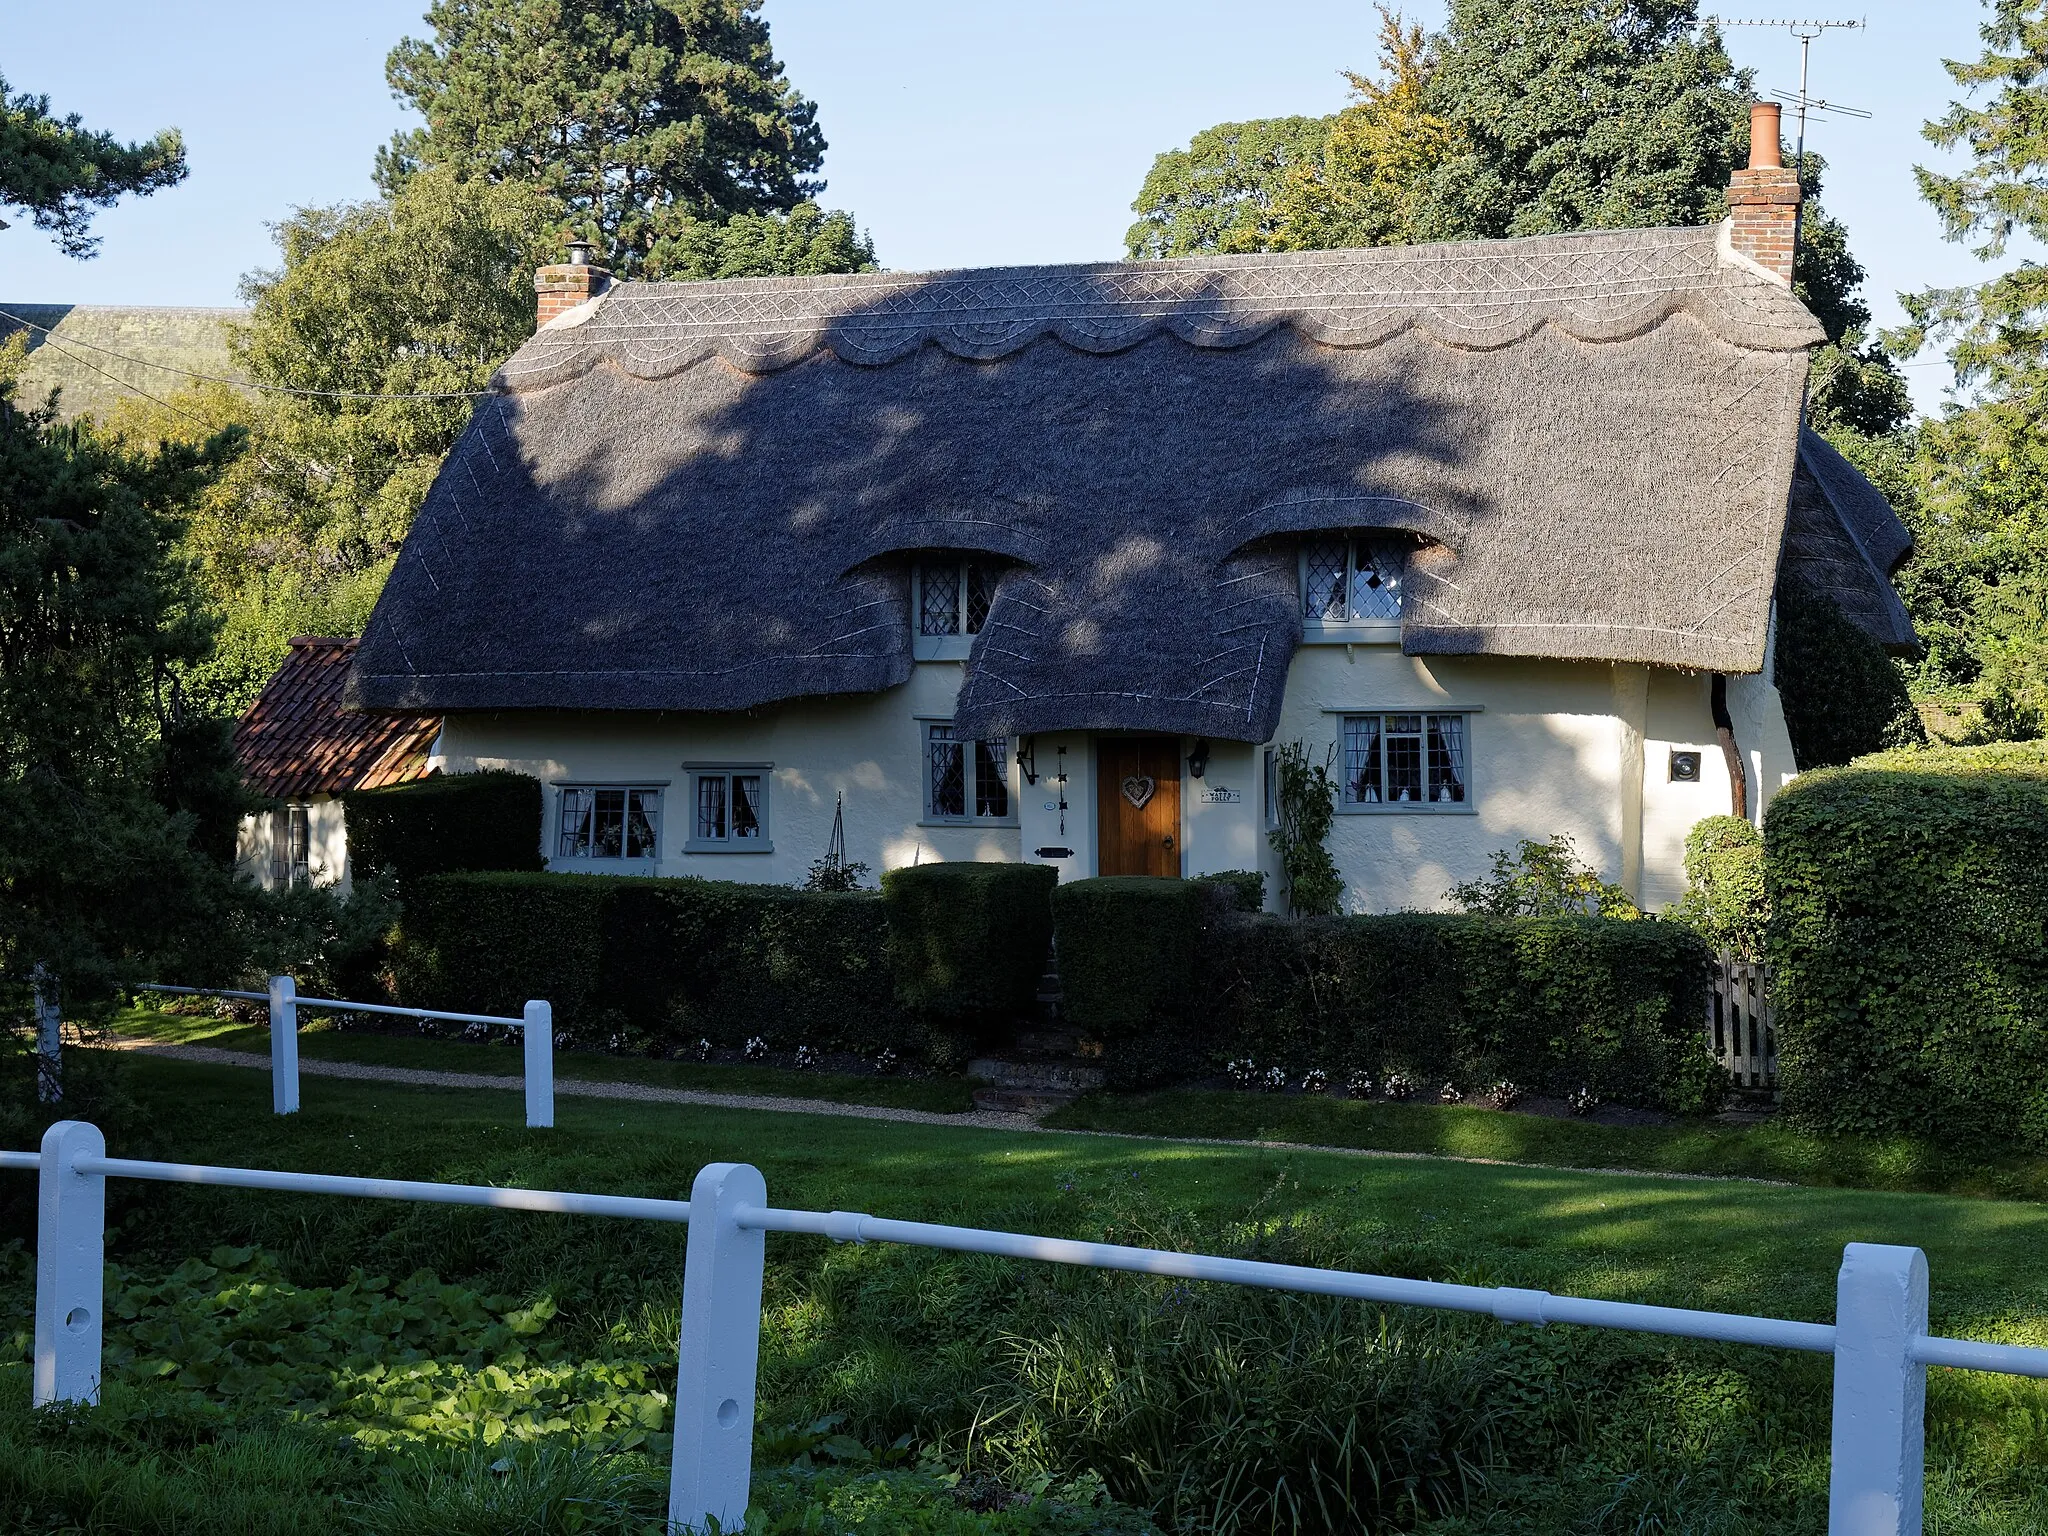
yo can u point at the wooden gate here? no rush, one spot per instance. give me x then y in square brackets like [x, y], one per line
[1740, 1029]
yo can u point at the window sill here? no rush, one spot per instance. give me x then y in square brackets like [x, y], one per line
[941, 647]
[970, 822]
[1376, 633]
[1463, 807]
[743, 845]
[572, 865]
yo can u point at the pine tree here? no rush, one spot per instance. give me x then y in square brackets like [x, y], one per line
[59, 171]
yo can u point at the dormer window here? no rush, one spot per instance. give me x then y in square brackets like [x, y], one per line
[1351, 589]
[949, 600]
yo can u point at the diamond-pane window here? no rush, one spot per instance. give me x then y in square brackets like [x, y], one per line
[965, 781]
[1350, 581]
[732, 810]
[981, 594]
[938, 600]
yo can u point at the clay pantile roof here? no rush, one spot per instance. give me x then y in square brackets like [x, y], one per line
[296, 739]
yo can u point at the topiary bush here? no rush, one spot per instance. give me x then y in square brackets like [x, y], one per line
[448, 822]
[1908, 940]
[1127, 957]
[1242, 890]
[1724, 901]
[655, 964]
[968, 942]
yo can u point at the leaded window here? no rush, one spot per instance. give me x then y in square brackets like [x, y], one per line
[609, 821]
[952, 599]
[1350, 582]
[961, 774]
[1407, 759]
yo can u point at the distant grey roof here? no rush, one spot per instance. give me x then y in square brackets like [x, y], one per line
[696, 496]
[97, 353]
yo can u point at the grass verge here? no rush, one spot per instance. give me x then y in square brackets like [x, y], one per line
[319, 1040]
[1768, 1151]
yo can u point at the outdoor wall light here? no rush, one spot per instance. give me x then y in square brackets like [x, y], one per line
[1198, 760]
[1685, 767]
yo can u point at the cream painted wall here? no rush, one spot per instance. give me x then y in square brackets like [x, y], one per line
[260, 844]
[868, 747]
[1576, 747]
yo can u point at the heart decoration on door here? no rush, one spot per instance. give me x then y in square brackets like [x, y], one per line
[1138, 789]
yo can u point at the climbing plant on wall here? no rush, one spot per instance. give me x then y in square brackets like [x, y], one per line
[1305, 793]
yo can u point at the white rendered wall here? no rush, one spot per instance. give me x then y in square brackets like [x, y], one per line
[868, 747]
[260, 840]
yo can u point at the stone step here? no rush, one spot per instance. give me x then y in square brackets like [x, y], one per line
[1021, 1101]
[1037, 1076]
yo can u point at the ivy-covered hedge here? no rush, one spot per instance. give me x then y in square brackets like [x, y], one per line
[968, 942]
[448, 822]
[1909, 946]
[1175, 986]
[655, 963]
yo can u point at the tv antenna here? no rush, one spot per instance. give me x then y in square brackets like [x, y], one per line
[1804, 101]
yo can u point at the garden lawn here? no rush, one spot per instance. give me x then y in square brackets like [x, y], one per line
[1761, 1151]
[1452, 1424]
[321, 1041]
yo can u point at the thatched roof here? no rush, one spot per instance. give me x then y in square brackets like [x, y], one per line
[1843, 540]
[700, 496]
[296, 740]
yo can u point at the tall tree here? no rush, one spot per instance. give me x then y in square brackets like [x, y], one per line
[1223, 192]
[59, 172]
[636, 116]
[1978, 584]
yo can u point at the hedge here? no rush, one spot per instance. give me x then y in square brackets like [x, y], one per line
[1176, 987]
[655, 964]
[1908, 940]
[447, 822]
[968, 942]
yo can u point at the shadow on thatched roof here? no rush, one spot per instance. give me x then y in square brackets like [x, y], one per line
[703, 496]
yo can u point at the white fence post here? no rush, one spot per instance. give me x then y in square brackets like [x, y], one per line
[49, 1039]
[284, 1045]
[540, 1063]
[71, 1227]
[1879, 1446]
[719, 1352]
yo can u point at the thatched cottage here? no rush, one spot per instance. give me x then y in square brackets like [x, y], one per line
[1043, 563]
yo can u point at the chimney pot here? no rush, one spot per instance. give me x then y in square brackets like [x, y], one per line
[1766, 153]
[567, 284]
[580, 252]
[1763, 199]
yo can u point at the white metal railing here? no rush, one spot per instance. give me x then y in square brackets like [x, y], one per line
[1879, 1338]
[537, 1026]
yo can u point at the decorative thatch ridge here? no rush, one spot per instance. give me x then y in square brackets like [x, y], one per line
[1597, 287]
[703, 496]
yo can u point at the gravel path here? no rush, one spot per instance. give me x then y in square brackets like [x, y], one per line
[565, 1087]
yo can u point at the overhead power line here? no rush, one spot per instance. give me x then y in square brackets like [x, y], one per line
[52, 339]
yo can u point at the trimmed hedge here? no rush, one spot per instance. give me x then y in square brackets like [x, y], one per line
[1244, 890]
[1909, 944]
[1175, 986]
[968, 942]
[448, 822]
[646, 963]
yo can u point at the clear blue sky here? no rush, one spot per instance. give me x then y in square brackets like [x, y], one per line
[962, 132]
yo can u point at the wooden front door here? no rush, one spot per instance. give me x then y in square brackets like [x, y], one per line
[1137, 805]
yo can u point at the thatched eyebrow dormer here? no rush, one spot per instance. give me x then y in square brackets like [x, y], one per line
[688, 496]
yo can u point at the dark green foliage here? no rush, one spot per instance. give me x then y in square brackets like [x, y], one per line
[968, 942]
[1724, 871]
[1307, 795]
[804, 242]
[1552, 1004]
[1543, 880]
[1224, 191]
[1243, 890]
[59, 171]
[655, 963]
[444, 823]
[1909, 944]
[634, 119]
[1126, 948]
[1843, 696]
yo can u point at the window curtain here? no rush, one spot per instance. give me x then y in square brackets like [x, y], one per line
[946, 773]
[746, 805]
[1362, 760]
[992, 778]
[711, 808]
[1447, 758]
[574, 840]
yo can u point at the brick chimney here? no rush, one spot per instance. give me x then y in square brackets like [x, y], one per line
[1763, 201]
[563, 287]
